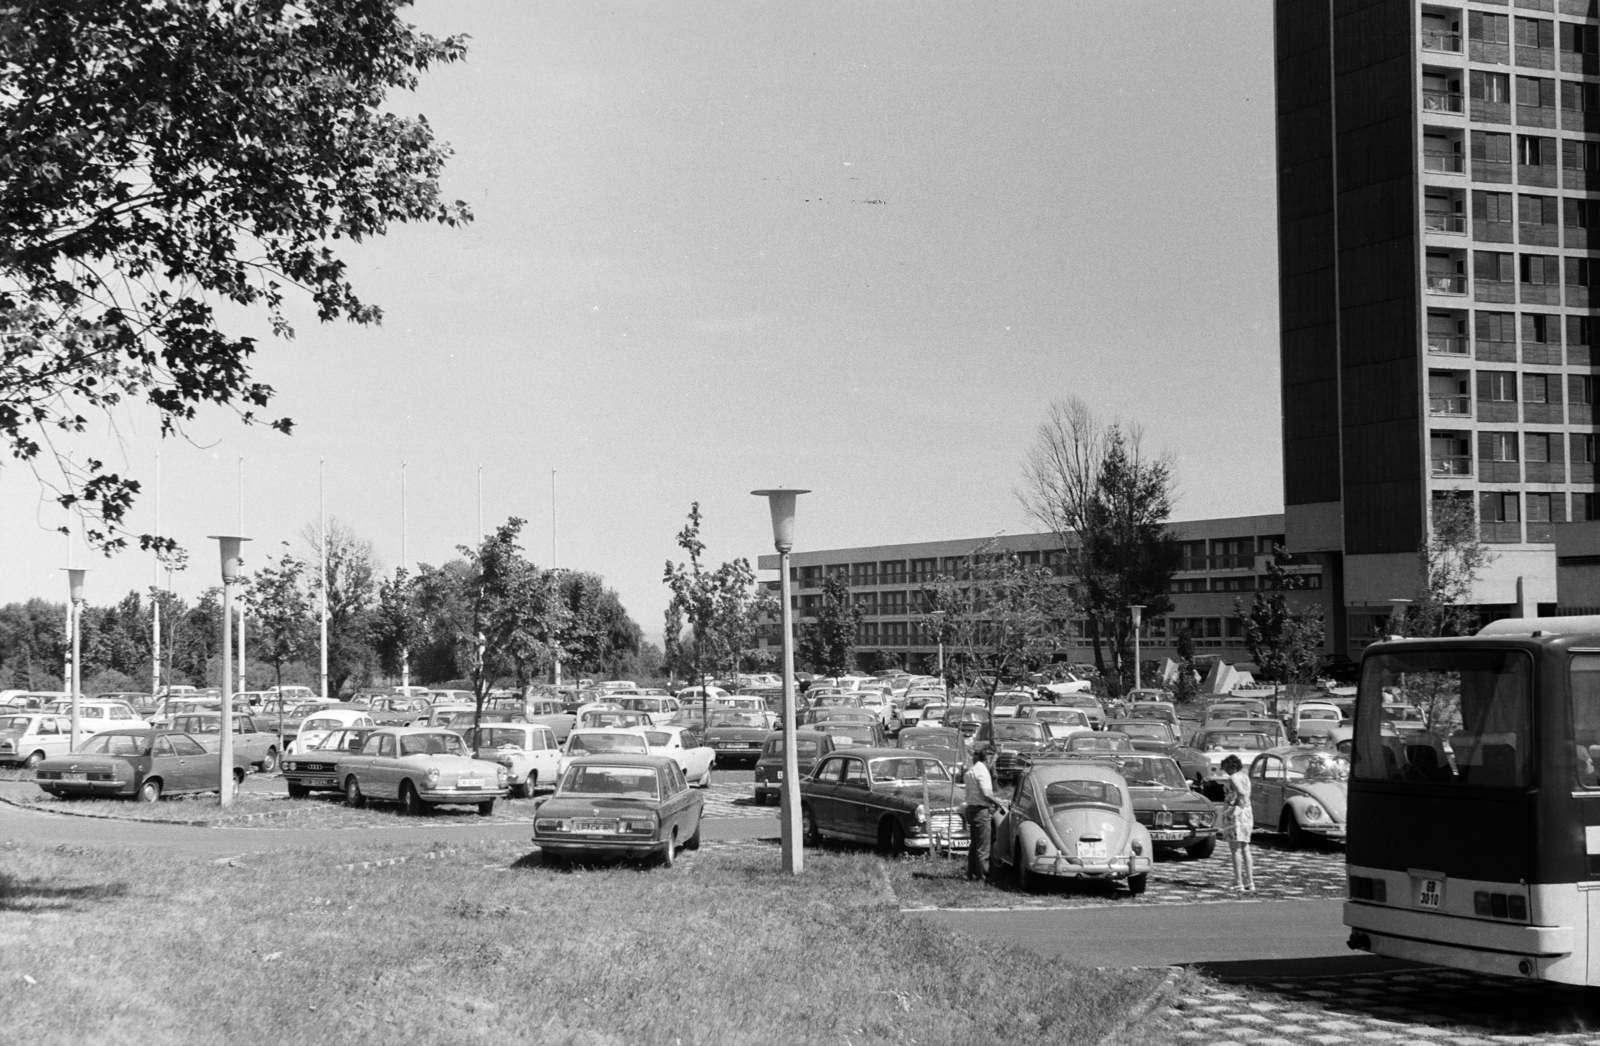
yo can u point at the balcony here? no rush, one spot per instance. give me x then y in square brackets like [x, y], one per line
[1444, 221]
[1447, 163]
[1450, 406]
[1446, 283]
[1435, 100]
[1452, 466]
[1441, 40]
[1448, 344]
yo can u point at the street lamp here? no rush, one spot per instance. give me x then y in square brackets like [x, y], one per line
[75, 618]
[1137, 612]
[781, 502]
[231, 565]
[938, 636]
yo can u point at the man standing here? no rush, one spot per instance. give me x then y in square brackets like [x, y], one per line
[981, 805]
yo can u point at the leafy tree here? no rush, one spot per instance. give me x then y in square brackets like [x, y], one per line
[1453, 555]
[1091, 485]
[282, 615]
[827, 642]
[352, 592]
[599, 636]
[716, 603]
[162, 158]
[673, 656]
[33, 643]
[1286, 646]
[997, 616]
[398, 625]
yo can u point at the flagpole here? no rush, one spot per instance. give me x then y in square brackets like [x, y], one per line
[322, 525]
[242, 684]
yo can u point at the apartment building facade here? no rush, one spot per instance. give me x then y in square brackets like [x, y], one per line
[1224, 564]
[1439, 182]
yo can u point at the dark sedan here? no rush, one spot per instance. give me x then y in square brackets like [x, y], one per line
[897, 800]
[736, 735]
[1016, 742]
[143, 763]
[810, 745]
[941, 741]
[1160, 738]
[619, 806]
[1178, 817]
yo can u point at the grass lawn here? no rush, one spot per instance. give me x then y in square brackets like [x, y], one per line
[485, 944]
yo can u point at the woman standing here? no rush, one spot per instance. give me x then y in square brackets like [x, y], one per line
[1237, 824]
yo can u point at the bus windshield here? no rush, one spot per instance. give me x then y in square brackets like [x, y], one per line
[1475, 711]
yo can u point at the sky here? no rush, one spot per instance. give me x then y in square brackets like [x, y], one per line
[855, 247]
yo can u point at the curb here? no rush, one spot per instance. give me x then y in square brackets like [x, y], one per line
[1142, 1008]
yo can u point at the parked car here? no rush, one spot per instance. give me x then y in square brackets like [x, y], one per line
[1301, 792]
[943, 742]
[1177, 817]
[145, 763]
[250, 736]
[396, 709]
[966, 718]
[894, 799]
[1217, 744]
[1159, 738]
[453, 697]
[683, 744]
[1087, 703]
[1016, 741]
[615, 718]
[1073, 820]
[528, 751]
[618, 805]
[419, 767]
[658, 710]
[95, 716]
[851, 732]
[810, 745]
[315, 728]
[1103, 743]
[28, 700]
[439, 715]
[1074, 718]
[30, 738]
[736, 735]
[811, 716]
[582, 743]
[1068, 684]
[317, 770]
[463, 721]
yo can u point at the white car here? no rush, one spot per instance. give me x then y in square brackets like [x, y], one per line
[878, 703]
[1069, 684]
[694, 758]
[528, 750]
[95, 716]
[440, 714]
[602, 741]
[693, 693]
[291, 693]
[32, 737]
[325, 722]
[660, 709]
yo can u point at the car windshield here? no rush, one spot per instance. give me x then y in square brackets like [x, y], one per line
[1153, 773]
[861, 732]
[116, 744]
[1153, 731]
[1228, 741]
[907, 768]
[1059, 794]
[616, 782]
[320, 724]
[606, 743]
[1018, 731]
[342, 740]
[1326, 715]
[745, 720]
[501, 737]
[933, 738]
[1098, 743]
[1317, 766]
[657, 737]
[432, 744]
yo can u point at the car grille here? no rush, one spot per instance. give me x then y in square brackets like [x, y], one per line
[311, 767]
[953, 825]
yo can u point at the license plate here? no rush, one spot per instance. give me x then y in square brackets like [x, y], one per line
[1092, 851]
[606, 827]
[316, 780]
[469, 782]
[74, 777]
[1167, 836]
[729, 744]
[1429, 892]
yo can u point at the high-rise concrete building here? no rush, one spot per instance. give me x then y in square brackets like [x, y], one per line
[1439, 173]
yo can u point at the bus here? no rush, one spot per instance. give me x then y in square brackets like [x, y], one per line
[1474, 841]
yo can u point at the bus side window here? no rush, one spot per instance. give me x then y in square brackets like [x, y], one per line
[1585, 676]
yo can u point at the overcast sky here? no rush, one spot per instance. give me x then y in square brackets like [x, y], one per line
[855, 247]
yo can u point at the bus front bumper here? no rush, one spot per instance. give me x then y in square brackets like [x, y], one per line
[1510, 950]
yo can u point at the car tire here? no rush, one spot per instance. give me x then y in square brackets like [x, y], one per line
[33, 761]
[1200, 851]
[1290, 826]
[1137, 883]
[297, 791]
[486, 808]
[352, 792]
[269, 763]
[693, 842]
[411, 803]
[669, 854]
[525, 789]
[1026, 881]
[891, 837]
[705, 779]
[809, 833]
[150, 790]
[238, 776]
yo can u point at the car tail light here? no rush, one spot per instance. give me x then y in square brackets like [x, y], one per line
[1364, 888]
[1500, 906]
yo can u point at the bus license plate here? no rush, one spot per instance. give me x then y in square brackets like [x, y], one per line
[1430, 893]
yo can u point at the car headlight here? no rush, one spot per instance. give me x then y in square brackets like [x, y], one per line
[920, 813]
[1138, 847]
[431, 775]
[1313, 812]
[502, 774]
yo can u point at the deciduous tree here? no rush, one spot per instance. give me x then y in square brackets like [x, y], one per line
[281, 613]
[718, 604]
[352, 592]
[827, 641]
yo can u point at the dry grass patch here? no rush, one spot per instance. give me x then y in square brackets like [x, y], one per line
[483, 944]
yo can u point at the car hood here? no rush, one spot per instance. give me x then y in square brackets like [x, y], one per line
[1169, 799]
[939, 795]
[1331, 795]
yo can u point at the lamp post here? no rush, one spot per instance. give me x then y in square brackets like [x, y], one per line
[938, 636]
[781, 502]
[1137, 613]
[75, 616]
[231, 565]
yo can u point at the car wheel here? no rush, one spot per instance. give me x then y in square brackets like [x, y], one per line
[1290, 826]
[891, 838]
[298, 791]
[33, 761]
[1026, 882]
[486, 808]
[238, 776]
[352, 792]
[1200, 851]
[150, 791]
[669, 854]
[410, 802]
[269, 762]
[693, 842]
[705, 778]
[809, 834]
[1137, 883]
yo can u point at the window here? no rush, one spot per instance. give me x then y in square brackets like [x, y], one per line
[1539, 508]
[1499, 386]
[831, 771]
[1580, 97]
[1500, 507]
[1580, 331]
[1536, 328]
[1500, 446]
[1493, 207]
[1585, 507]
[1579, 271]
[1532, 150]
[1538, 447]
[1489, 266]
[185, 745]
[1536, 92]
[1493, 88]
[1580, 389]
[1487, 30]
[855, 773]
[1579, 39]
[1536, 210]
[1536, 389]
[1583, 448]
[1538, 269]
[1535, 34]
[1497, 327]
[1580, 156]
[1191, 555]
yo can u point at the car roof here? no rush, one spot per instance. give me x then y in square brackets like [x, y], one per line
[624, 759]
[874, 752]
[1085, 770]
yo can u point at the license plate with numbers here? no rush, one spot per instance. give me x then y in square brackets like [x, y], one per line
[1429, 893]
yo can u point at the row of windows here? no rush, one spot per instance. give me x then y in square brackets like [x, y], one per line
[1537, 43]
[1504, 217]
[1245, 583]
[1503, 455]
[1496, 336]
